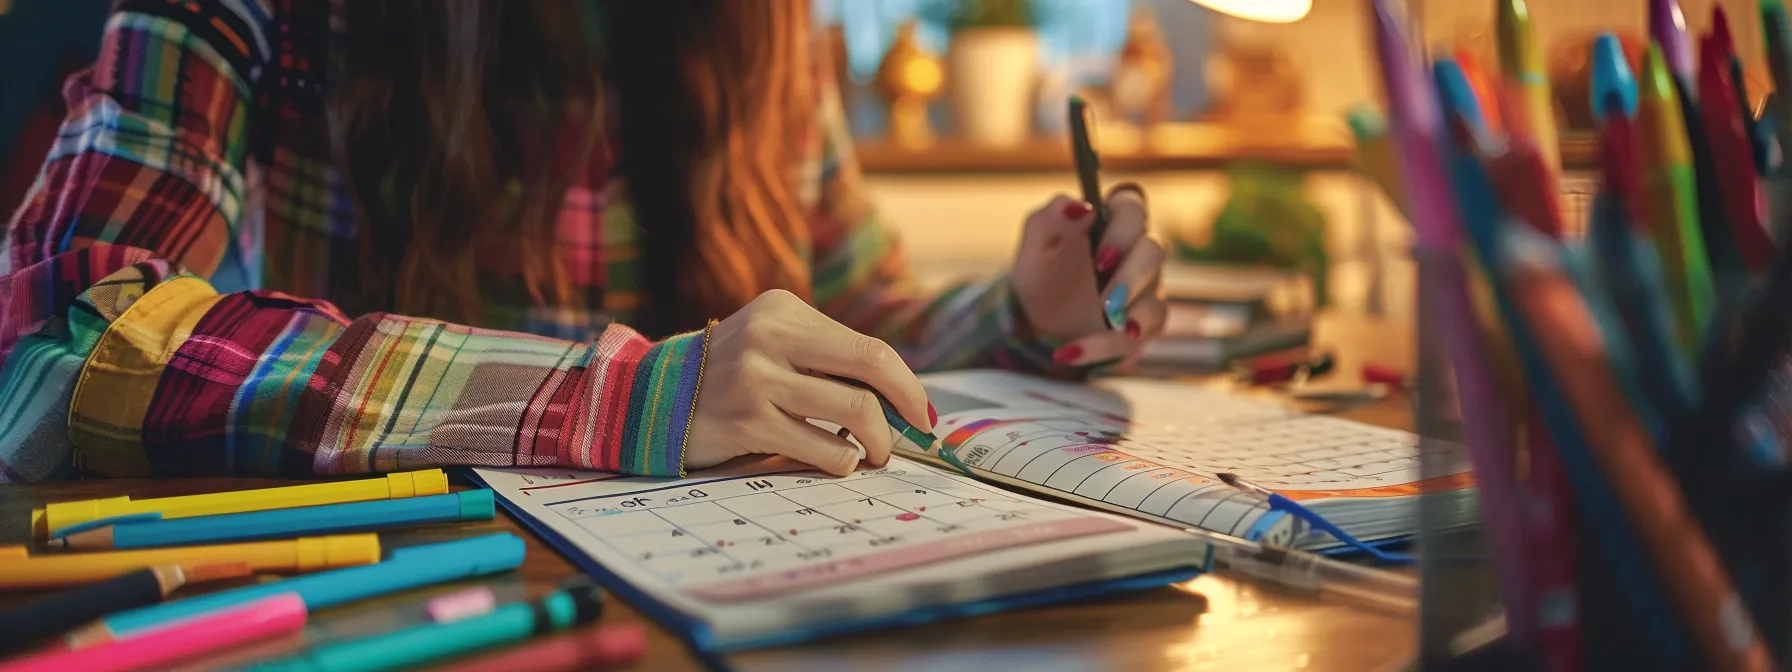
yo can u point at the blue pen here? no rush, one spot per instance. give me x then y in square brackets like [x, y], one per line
[151, 531]
[407, 568]
[1277, 502]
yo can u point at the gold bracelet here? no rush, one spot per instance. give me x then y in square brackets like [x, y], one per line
[702, 363]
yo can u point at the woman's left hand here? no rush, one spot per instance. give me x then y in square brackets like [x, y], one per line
[1055, 274]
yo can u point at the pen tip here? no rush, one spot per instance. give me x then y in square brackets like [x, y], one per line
[1518, 51]
[1720, 29]
[1513, 13]
[1612, 80]
[1228, 478]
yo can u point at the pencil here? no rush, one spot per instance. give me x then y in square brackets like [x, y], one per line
[56, 614]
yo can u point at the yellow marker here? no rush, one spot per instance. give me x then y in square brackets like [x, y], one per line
[1671, 193]
[393, 486]
[19, 570]
[1521, 63]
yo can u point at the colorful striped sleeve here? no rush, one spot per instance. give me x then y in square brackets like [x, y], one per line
[860, 279]
[119, 358]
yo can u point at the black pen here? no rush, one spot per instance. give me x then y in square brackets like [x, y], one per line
[1088, 176]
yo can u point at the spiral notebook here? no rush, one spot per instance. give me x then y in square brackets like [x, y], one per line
[769, 552]
[1150, 449]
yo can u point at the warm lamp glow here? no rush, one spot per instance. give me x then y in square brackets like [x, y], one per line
[1268, 11]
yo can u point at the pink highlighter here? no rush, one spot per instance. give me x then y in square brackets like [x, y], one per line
[178, 640]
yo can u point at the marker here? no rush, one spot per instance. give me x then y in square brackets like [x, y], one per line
[179, 642]
[424, 644]
[409, 567]
[54, 615]
[19, 570]
[392, 486]
[1739, 191]
[1720, 34]
[901, 430]
[1667, 27]
[1669, 189]
[595, 648]
[1521, 59]
[1612, 81]
[1482, 85]
[466, 505]
[1631, 270]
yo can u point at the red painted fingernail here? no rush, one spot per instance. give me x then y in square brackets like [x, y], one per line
[1077, 209]
[1132, 329]
[1107, 259]
[933, 416]
[1067, 354]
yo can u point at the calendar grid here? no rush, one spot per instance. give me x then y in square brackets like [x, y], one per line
[694, 534]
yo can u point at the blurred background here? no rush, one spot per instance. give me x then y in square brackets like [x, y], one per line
[1231, 113]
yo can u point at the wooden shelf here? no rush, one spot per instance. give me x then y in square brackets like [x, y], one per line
[1193, 147]
[1315, 144]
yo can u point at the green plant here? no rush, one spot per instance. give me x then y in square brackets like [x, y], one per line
[961, 14]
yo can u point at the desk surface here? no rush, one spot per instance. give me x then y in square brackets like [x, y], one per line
[1210, 623]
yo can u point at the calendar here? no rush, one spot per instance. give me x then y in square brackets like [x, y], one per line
[737, 536]
[1152, 449]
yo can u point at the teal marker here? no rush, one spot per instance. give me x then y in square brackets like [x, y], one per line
[436, 642]
[900, 426]
[148, 531]
[407, 568]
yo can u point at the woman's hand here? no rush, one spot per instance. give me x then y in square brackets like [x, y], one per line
[765, 373]
[1055, 279]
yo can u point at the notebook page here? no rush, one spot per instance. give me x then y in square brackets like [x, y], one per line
[1155, 447]
[757, 547]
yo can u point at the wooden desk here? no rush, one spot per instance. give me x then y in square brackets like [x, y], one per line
[1210, 623]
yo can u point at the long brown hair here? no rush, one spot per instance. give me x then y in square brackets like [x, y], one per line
[452, 117]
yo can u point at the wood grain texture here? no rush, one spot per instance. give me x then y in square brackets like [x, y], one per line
[1210, 623]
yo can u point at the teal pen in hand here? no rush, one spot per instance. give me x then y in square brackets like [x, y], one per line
[424, 644]
[900, 426]
[151, 531]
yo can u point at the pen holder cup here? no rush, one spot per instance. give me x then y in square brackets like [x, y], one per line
[1604, 574]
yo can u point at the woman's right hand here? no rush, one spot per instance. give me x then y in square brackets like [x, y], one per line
[765, 373]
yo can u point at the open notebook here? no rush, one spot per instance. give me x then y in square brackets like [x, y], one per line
[768, 552]
[1150, 449]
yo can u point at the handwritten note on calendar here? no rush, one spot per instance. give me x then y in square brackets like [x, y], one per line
[740, 536]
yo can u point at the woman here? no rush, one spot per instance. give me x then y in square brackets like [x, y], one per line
[235, 182]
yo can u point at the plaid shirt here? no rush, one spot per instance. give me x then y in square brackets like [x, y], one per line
[165, 290]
